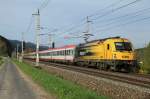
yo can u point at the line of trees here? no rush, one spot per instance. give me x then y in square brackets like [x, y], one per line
[146, 59]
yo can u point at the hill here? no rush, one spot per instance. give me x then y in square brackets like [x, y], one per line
[8, 46]
[28, 45]
[5, 47]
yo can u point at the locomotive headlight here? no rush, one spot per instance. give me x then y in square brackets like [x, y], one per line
[114, 56]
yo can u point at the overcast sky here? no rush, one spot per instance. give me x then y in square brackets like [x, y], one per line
[15, 16]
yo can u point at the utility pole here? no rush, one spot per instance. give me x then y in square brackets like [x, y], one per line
[37, 30]
[87, 34]
[17, 51]
[22, 51]
[49, 37]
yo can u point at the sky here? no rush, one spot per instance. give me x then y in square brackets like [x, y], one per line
[68, 17]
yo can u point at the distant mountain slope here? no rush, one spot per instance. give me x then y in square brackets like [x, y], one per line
[28, 45]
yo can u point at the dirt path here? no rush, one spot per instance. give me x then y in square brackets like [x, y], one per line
[15, 85]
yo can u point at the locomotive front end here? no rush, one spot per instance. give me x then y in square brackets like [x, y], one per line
[124, 56]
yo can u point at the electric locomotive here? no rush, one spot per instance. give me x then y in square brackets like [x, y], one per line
[113, 53]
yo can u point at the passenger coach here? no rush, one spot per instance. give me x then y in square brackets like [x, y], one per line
[62, 54]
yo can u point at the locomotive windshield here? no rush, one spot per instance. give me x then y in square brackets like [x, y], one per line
[123, 46]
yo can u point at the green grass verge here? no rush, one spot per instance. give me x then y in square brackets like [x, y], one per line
[63, 89]
[1, 61]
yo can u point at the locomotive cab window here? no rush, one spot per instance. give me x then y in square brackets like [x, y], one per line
[123, 46]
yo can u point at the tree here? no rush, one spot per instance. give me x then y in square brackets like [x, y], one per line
[146, 60]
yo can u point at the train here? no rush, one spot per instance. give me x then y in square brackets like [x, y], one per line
[114, 53]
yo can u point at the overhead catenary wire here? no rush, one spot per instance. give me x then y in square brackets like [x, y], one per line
[129, 16]
[115, 9]
[93, 17]
[122, 16]
[123, 24]
[29, 25]
[44, 4]
[84, 19]
[109, 6]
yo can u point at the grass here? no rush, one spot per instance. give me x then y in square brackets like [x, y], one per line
[1, 61]
[63, 89]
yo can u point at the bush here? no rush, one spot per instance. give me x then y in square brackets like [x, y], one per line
[146, 60]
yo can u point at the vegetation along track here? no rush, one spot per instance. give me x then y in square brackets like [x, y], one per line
[134, 79]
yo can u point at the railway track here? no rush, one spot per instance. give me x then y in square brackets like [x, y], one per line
[133, 79]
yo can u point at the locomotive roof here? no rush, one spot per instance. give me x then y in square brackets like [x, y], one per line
[99, 40]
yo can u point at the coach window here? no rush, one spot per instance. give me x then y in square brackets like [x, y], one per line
[72, 52]
[62, 53]
[59, 53]
[56, 53]
[69, 52]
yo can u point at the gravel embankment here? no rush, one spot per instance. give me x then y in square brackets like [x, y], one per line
[114, 89]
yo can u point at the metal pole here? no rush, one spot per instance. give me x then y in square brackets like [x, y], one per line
[49, 40]
[17, 51]
[88, 25]
[37, 24]
[87, 34]
[37, 37]
[22, 51]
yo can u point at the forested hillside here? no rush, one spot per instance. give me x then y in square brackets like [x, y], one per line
[5, 47]
[27, 45]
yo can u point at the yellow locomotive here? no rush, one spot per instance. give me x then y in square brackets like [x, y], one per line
[113, 53]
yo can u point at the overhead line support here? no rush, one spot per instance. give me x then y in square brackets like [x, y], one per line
[37, 30]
